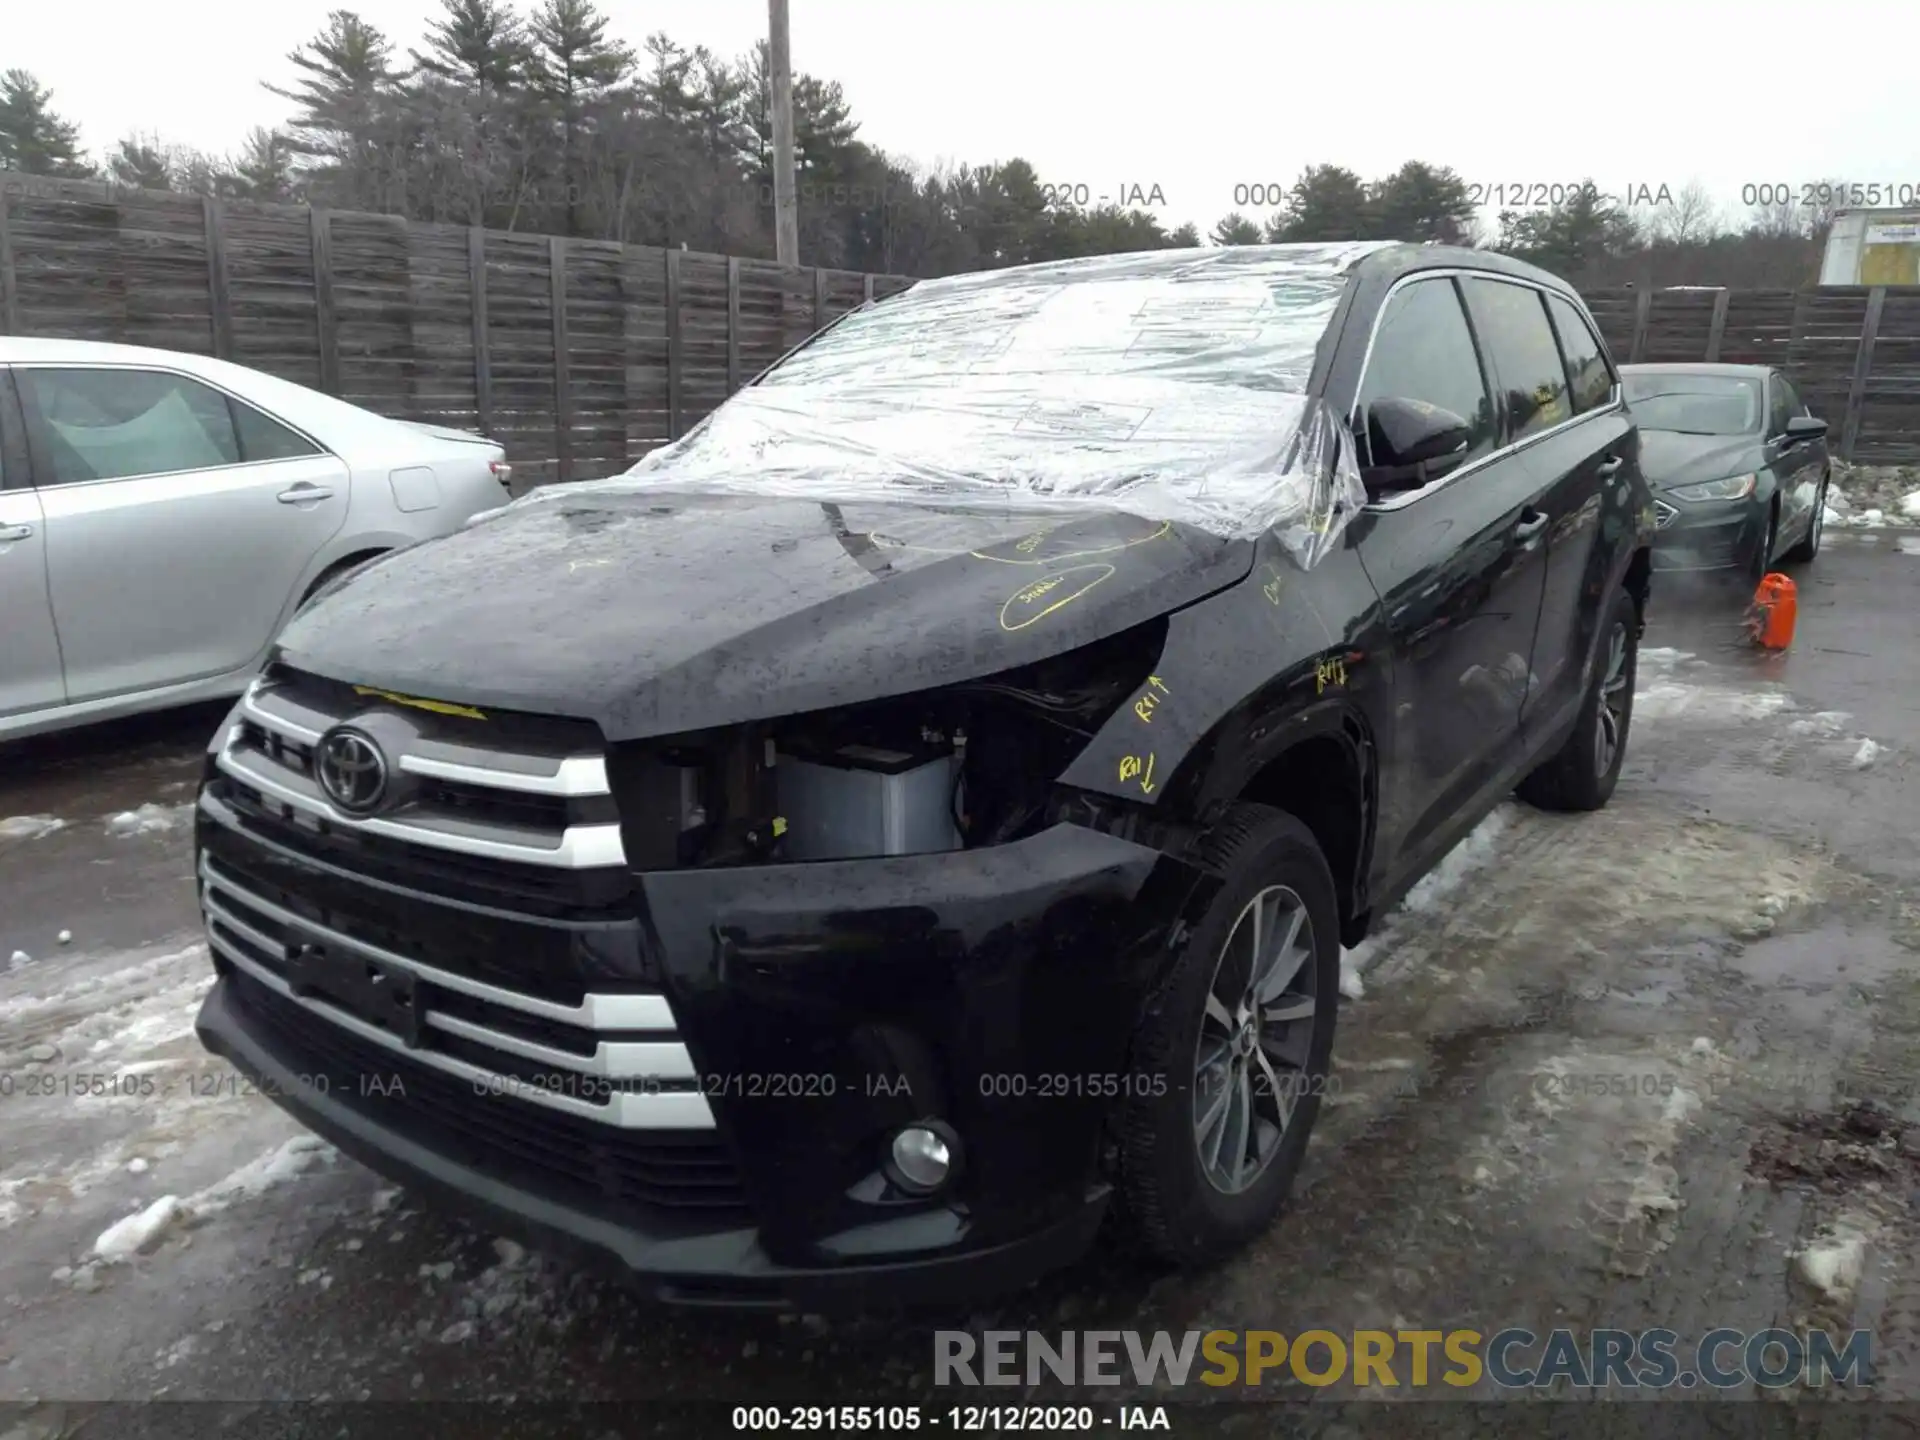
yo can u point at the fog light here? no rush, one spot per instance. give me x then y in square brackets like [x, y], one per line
[924, 1157]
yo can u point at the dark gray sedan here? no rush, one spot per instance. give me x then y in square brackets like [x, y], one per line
[1738, 464]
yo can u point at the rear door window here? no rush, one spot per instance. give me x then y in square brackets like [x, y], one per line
[1511, 321]
[113, 424]
[1424, 351]
[1585, 356]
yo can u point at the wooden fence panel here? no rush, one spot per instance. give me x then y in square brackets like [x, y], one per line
[372, 282]
[1890, 409]
[270, 272]
[597, 358]
[440, 323]
[1678, 322]
[398, 318]
[520, 349]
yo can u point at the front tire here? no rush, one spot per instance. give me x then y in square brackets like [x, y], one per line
[1242, 1031]
[1582, 773]
[1762, 559]
[1804, 552]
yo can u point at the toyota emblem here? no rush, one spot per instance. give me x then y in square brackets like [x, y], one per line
[351, 770]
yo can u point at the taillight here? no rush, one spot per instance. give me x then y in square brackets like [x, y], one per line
[503, 472]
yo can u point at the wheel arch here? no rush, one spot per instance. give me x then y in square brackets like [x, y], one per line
[1320, 766]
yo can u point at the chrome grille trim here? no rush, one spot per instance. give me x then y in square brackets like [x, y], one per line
[1663, 514]
[626, 1110]
[594, 1012]
[579, 847]
[575, 775]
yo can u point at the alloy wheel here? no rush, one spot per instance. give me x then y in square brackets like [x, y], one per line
[1614, 701]
[1255, 1037]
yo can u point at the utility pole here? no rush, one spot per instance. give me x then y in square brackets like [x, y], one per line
[786, 224]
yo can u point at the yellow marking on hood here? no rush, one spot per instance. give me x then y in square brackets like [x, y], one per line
[438, 707]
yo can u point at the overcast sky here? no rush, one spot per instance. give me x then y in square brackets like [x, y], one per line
[1194, 97]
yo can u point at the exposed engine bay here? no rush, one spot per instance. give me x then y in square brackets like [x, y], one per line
[965, 766]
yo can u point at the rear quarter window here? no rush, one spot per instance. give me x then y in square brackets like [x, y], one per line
[1592, 378]
[1511, 321]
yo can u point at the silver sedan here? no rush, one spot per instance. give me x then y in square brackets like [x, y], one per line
[162, 515]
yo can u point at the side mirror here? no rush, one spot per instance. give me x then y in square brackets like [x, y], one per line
[1805, 427]
[1413, 444]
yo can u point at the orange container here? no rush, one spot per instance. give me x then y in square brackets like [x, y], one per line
[1775, 607]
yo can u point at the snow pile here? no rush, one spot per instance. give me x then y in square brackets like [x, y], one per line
[142, 1231]
[1836, 1259]
[1873, 496]
[1427, 897]
[28, 827]
[139, 1231]
[149, 819]
[286, 1162]
[1868, 752]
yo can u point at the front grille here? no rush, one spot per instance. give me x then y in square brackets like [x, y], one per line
[611, 1059]
[501, 789]
[686, 1172]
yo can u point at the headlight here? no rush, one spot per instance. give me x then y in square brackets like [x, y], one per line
[1734, 487]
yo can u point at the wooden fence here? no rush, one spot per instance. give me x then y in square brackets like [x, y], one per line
[1853, 351]
[578, 355]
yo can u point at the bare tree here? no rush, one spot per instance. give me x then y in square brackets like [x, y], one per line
[1691, 218]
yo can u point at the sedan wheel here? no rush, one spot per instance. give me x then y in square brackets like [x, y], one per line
[1253, 1040]
[1614, 700]
[1233, 1051]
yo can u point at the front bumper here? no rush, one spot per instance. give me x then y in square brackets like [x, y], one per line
[1709, 535]
[821, 1006]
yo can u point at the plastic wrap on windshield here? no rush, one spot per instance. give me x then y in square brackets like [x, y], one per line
[1169, 384]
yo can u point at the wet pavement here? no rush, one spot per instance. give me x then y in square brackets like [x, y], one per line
[1601, 1071]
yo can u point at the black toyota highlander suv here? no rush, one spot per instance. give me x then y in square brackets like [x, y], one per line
[915, 817]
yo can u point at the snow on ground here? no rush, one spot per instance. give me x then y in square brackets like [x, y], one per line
[1835, 1259]
[28, 827]
[142, 1230]
[149, 819]
[1455, 867]
[1910, 504]
[125, 1011]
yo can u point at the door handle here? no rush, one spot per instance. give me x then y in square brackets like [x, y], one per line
[1532, 522]
[302, 493]
[15, 532]
[1610, 467]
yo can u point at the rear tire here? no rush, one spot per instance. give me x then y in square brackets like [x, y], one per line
[1208, 1157]
[1582, 773]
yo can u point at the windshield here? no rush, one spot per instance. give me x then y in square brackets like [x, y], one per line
[1696, 404]
[1170, 384]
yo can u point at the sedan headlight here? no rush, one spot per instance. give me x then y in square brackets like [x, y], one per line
[1734, 487]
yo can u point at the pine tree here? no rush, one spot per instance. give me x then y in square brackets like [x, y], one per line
[32, 137]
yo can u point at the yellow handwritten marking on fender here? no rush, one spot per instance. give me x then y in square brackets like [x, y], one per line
[1272, 588]
[1330, 671]
[438, 707]
[1034, 602]
[1165, 528]
[1148, 701]
[1133, 768]
[1033, 542]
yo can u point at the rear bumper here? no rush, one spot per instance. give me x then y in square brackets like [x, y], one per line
[820, 1008]
[722, 1268]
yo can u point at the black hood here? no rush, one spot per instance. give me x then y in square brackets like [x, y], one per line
[1668, 459]
[666, 613]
